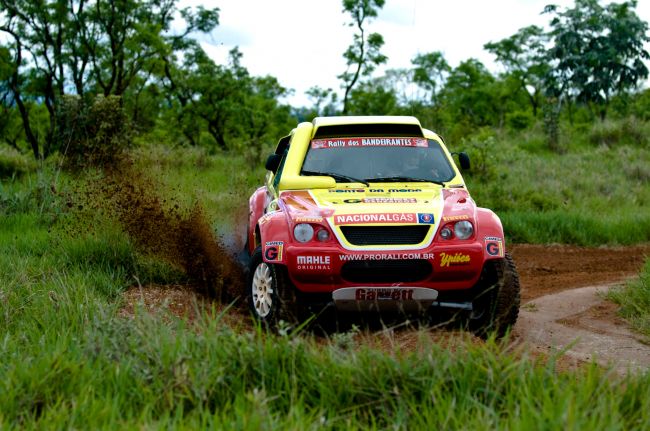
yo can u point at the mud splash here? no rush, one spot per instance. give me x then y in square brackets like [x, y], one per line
[160, 226]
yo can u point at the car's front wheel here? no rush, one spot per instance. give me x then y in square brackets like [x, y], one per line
[271, 296]
[496, 309]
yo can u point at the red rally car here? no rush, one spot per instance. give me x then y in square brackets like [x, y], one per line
[372, 213]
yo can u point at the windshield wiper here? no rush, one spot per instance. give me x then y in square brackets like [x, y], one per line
[337, 177]
[407, 179]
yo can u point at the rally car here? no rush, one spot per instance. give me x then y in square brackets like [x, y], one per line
[372, 214]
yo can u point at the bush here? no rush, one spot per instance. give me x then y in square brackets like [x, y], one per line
[609, 133]
[519, 120]
[480, 148]
[92, 133]
[13, 163]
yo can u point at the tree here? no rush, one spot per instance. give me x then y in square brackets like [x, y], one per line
[597, 51]
[373, 98]
[233, 106]
[324, 101]
[362, 56]
[430, 72]
[90, 46]
[469, 92]
[523, 55]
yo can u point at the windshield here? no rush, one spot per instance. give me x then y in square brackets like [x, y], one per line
[376, 159]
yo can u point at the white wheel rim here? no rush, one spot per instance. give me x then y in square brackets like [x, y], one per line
[262, 290]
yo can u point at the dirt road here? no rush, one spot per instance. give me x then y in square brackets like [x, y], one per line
[562, 305]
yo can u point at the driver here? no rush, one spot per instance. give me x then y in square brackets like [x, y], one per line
[413, 166]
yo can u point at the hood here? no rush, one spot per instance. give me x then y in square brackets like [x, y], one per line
[383, 204]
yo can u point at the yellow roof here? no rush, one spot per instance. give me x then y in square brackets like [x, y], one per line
[367, 119]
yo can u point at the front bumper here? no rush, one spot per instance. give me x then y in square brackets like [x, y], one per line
[327, 268]
[366, 298]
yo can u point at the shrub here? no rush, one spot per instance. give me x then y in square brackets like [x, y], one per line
[92, 133]
[13, 163]
[519, 120]
[628, 131]
[480, 148]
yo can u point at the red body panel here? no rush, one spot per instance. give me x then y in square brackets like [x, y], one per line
[317, 266]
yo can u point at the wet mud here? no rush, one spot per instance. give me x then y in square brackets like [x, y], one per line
[159, 225]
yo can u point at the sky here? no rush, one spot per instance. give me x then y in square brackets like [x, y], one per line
[301, 42]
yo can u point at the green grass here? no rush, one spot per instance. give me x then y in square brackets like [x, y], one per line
[634, 300]
[591, 195]
[69, 360]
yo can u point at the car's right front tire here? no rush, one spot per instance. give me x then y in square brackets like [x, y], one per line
[271, 296]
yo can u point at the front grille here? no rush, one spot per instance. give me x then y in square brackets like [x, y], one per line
[386, 271]
[385, 235]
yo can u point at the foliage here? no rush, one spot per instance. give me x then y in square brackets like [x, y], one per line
[524, 57]
[371, 99]
[481, 150]
[104, 47]
[627, 131]
[430, 72]
[597, 51]
[92, 133]
[13, 163]
[238, 111]
[590, 63]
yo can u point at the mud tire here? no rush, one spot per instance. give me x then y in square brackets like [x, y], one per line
[497, 309]
[282, 297]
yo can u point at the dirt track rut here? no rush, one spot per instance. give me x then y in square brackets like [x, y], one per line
[581, 323]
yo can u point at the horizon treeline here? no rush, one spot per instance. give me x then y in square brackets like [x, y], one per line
[61, 59]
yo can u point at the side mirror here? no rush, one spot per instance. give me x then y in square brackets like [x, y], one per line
[463, 158]
[273, 162]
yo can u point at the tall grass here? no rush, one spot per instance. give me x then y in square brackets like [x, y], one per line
[591, 195]
[70, 360]
[634, 299]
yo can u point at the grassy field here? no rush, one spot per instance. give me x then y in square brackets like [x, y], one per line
[593, 194]
[71, 360]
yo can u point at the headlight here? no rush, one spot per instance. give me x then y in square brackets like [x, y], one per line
[323, 235]
[463, 229]
[303, 232]
[445, 233]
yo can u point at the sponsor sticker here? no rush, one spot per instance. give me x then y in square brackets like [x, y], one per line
[388, 294]
[455, 218]
[404, 190]
[385, 256]
[447, 260]
[368, 142]
[381, 201]
[425, 218]
[374, 191]
[309, 219]
[386, 218]
[273, 250]
[313, 263]
[347, 191]
[494, 247]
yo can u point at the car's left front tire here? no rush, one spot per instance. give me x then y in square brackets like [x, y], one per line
[271, 295]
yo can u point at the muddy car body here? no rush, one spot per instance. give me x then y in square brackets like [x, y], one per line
[372, 213]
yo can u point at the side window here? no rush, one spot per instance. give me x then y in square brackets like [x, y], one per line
[278, 174]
